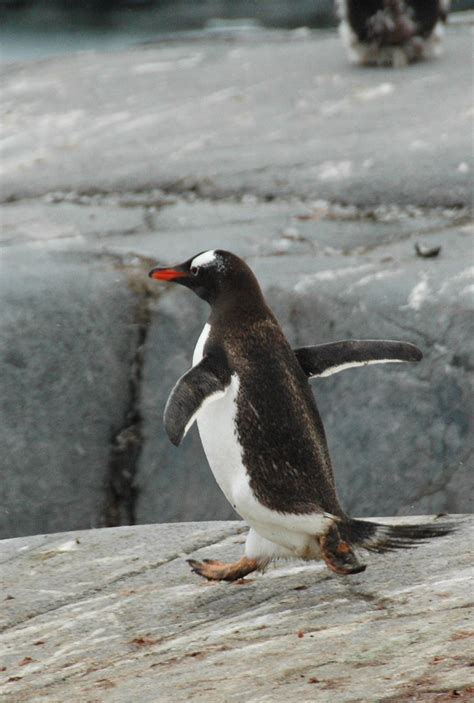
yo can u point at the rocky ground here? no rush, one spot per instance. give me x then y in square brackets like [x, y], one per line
[322, 175]
[113, 616]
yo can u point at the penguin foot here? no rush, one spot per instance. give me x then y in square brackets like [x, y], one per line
[213, 570]
[338, 554]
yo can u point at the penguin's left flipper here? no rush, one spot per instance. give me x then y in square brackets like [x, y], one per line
[327, 359]
[202, 384]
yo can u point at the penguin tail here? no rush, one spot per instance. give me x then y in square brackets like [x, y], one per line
[377, 537]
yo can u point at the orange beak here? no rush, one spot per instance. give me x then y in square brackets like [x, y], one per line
[166, 274]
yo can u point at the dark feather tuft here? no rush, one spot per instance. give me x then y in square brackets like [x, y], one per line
[376, 537]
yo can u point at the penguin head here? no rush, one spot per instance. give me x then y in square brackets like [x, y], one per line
[214, 275]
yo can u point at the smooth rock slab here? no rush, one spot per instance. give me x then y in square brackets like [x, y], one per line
[274, 115]
[116, 616]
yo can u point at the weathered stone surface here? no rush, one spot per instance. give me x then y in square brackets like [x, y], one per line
[116, 616]
[274, 117]
[399, 435]
[68, 334]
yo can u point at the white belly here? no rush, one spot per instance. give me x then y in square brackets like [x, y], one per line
[217, 428]
[216, 423]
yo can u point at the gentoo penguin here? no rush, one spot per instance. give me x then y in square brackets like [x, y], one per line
[391, 32]
[260, 428]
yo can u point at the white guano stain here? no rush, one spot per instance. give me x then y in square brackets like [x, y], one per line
[420, 293]
[419, 145]
[464, 275]
[468, 290]
[378, 91]
[68, 546]
[335, 170]
[106, 121]
[329, 275]
[32, 85]
[60, 120]
[142, 122]
[377, 276]
[431, 585]
[163, 66]
[219, 96]
[328, 108]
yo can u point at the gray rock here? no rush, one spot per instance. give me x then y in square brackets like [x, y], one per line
[269, 116]
[68, 335]
[399, 436]
[136, 625]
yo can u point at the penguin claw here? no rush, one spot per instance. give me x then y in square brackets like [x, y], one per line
[338, 554]
[209, 569]
[195, 565]
[214, 562]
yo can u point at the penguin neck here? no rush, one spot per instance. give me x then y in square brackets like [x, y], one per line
[247, 304]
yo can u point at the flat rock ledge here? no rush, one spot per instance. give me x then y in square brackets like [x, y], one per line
[116, 615]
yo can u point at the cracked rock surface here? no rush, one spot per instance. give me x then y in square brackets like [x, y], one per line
[116, 616]
[323, 176]
[66, 348]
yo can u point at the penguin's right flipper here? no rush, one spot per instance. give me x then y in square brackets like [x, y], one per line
[202, 384]
[327, 359]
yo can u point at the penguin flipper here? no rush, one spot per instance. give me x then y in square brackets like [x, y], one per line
[327, 359]
[202, 384]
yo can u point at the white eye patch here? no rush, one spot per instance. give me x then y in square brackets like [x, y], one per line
[208, 257]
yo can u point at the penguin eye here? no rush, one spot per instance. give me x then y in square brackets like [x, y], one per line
[194, 270]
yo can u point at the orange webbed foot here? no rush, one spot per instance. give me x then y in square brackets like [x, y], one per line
[214, 570]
